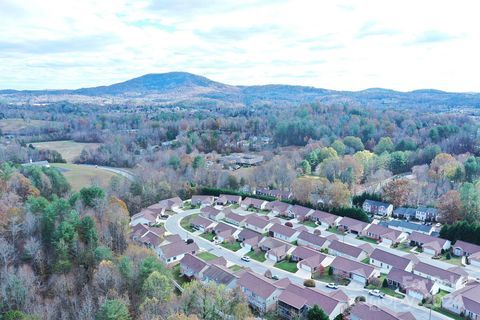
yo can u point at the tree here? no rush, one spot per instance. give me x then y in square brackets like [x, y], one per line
[385, 283]
[158, 286]
[198, 162]
[354, 143]
[309, 283]
[306, 167]
[339, 146]
[113, 310]
[396, 192]
[89, 195]
[384, 145]
[470, 198]
[450, 206]
[316, 313]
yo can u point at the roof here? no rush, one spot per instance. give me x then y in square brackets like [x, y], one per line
[451, 274]
[404, 212]
[169, 203]
[253, 202]
[210, 211]
[427, 241]
[300, 210]
[236, 217]
[390, 259]
[230, 197]
[257, 284]
[271, 243]
[257, 221]
[324, 216]
[346, 248]
[376, 203]
[314, 260]
[172, 238]
[218, 274]
[407, 225]
[283, 230]
[280, 251]
[278, 205]
[303, 252]
[353, 223]
[201, 198]
[470, 296]
[383, 232]
[275, 193]
[193, 263]
[365, 311]
[178, 248]
[248, 234]
[222, 227]
[467, 247]
[151, 238]
[146, 214]
[352, 266]
[312, 238]
[410, 281]
[428, 210]
[201, 221]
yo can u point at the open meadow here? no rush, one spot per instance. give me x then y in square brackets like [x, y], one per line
[67, 148]
[80, 176]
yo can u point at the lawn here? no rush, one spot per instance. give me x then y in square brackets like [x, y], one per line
[404, 247]
[208, 236]
[387, 291]
[448, 313]
[366, 260]
[84, 176]
[325, 277]
[259, 256]
[235, 246]
[177, 276]
[289, 266]
[14, 126]
[234, 206]
[235, 267]
[67, 148]
[369, 240]
[207, 256]
[310, 223]
[185, 222]
[335, 230]
[457, 261]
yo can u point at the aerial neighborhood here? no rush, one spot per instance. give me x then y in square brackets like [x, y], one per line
[288, 258]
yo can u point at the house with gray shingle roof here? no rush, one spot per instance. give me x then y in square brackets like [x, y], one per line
[465, 301]
[386, 260]
[377, 207]
[450, 279]
[407, 226]
[324, 218]
[308, 239]
[413, 285]
[352, 225]
[383, 234]
[430, 245]
[262, 294]
[342, 249]
[283, 232]
[353, 270]
[299, 212]
[365, 311]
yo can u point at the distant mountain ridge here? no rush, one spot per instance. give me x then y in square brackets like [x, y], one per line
[190, 89]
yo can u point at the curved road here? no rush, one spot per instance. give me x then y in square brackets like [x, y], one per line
[172, 225]
[120, 171]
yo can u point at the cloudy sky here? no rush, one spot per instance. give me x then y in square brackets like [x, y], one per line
[350, 45]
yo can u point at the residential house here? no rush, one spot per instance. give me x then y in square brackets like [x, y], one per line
[407, 226]
[262, 294]
[235, 219]
[309, 259]
[462, 248]
[311, 240]
[192, 266]
[157, 209]
[150, 237]
[202, 201]
[212, 213]
[412, 284]
[342, 249]
[404, 213]
[260, 224]
[283, 232]
[350, 225]
[299, 212]
[377, 208]
[226, 199]
[171, 204]
[474, 259]
[426, 214]
[276, 250]
[353, 270]
[278, 207]
[220, 275]
[430, 245]
[202, 224]
[324, 218]
[174, 252]
[450, 279]
[465, 301]
[249, 238]
[146, 217]
[383, 234]
[254, 203]
[387, 261]
[365, 311]
[295, 301]
[278, 194]
[224, 232]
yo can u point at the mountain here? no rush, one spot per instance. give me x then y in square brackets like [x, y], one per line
[186, 89]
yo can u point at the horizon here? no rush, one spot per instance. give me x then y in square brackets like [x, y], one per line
[341, 45]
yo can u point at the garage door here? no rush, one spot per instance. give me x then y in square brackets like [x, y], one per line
[306, 268]
[358, 278]
[415, 295]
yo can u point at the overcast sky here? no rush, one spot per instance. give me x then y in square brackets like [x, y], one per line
[347, 45]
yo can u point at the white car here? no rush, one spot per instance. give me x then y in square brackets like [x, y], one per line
[246, 258]
[376, 293]
[332, 285]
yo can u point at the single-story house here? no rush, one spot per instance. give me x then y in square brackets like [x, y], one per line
[309, 259]
[225, 199]
[220, 275]
[276, 250]
[171, 204]
[462, 248]
[278, 207]
[350, 225]
[474, 259]
[386, 260]
[308, 239]
[235, 218]
[249, 238]
[224, 232]
[465, 301]
[430, 245]
[156, 209]
[353, 270]
[377, 208]
[254, 203]
[145, 216]
[408, 226]
[279, 194]
[262, 294]
[174, 252]
[342, 249]
[413, 285]
[450, 279]
[295, 301]
[365, 311]
[202, 201]
[260, 224]
[283, 232]
[404, 213]
[192, 266]
[299, 212]
[383, 234]
[202, 224]
[212, 213]
[324, 218]
[426, 214]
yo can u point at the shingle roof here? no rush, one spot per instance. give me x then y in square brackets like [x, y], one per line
[193, 263]
[407, 225]
[365, 311]
[282, 229]
[177, 248]
[390, 259]
[451, 275]
[257, 221]
[376, 203]
[409, 280]
[345, 248]
[257, 284]
[254, 202]
[300, 210]
[324, 216]
[353, 224]
[383, 232]
[470, 248]
[221, 227]
[236, 217]
[169, 203]
[470, 296]
[352, 266]
[201, 221]
[219, 275]
[427, 241]
[303, 252]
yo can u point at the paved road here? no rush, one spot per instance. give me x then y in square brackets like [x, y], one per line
[120, 171]
[172, 225]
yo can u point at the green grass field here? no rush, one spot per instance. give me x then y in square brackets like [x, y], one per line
[185, 222]
[235, 246]
[207, 256]
[83, 176]
[259, 256]
[14, 126]
[207, 236]
[67, 148]
[235, 268]
[287, 266]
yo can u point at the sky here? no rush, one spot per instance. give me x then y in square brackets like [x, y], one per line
[343, 45]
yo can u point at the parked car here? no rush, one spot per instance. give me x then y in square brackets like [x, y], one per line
[332, 285]
[246, 258]
[274, 277]
[376, 293]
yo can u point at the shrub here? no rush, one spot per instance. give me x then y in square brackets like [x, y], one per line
[448, 256]
[360, 299]
[385, 283]
[289, 224]
[309, 283]
[330, 271]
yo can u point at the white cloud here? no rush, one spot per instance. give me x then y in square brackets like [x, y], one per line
[349, 45]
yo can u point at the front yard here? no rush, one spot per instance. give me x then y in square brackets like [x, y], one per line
[185, 222]
[386, 290]
[234, 246]
[257, 255]
[235, 267]
[208, 236]
[310, 223]
[457, 261]
[207, 256]
[329, 278]
[287, 265]
[369, 240]
[335, 230]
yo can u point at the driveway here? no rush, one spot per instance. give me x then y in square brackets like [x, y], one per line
[243, 251]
